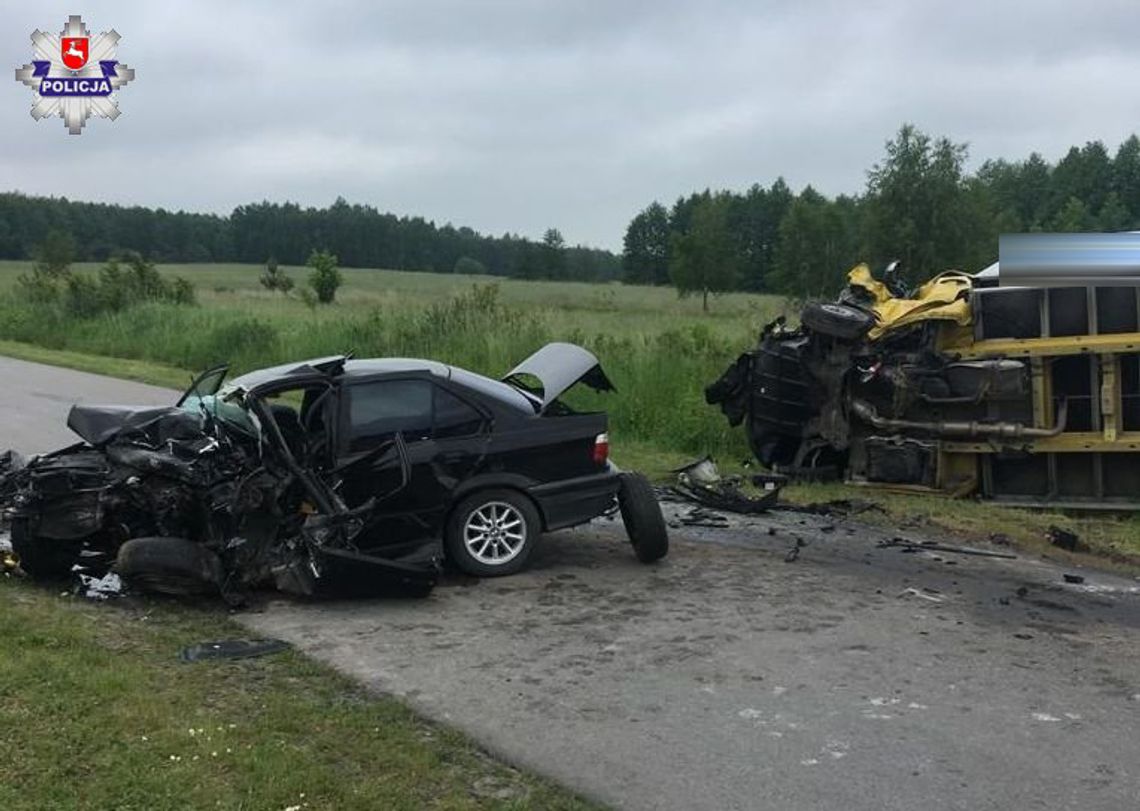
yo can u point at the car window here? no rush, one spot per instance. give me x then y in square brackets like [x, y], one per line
[380, 409]
[454, 417]
[507, 395]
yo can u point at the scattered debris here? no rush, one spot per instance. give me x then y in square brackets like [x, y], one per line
[232, 649]
[702, 517]
[924, 594]
[836, 507]
[1064, 539]
[701, 482]
[99, 588]
[933, 546]
[10, 564]
[1000, 539]
[769, 481]
[794, 552]
[1073, 578]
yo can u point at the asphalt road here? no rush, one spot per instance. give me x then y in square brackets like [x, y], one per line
[35, 399]
[726, 677]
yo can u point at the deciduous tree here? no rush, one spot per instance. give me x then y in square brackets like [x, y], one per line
[704, 258]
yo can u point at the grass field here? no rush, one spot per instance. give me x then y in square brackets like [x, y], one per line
[96, 711]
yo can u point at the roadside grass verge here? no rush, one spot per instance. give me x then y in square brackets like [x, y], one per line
[96, 711]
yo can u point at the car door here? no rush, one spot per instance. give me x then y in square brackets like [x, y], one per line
[440, 451]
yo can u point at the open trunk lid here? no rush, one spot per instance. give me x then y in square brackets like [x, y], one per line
[558, 367]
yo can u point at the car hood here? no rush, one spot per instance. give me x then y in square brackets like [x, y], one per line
[558, 367]
[99, 424]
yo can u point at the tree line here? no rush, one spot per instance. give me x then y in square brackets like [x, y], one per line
[920, 206]
[360, 235]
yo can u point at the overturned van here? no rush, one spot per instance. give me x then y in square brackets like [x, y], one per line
[1027, 393]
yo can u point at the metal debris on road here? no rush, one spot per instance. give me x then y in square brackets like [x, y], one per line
[99, 588]
[913, 592]
[932, 546]
[702, 483]
[842, 507]
[701, 517]
[1064, 539]
[794, 553]
[232, 649]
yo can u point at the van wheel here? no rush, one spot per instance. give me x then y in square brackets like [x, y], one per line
[492, 533]
[837, 320]
[641, 514]
[169, 566]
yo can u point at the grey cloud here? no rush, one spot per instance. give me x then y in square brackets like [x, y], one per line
[521, 115]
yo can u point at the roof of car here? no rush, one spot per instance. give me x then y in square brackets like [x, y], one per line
[273, 376]
[372, 366]
[285, 372]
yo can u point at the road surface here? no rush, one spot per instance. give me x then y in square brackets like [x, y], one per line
[726, 677]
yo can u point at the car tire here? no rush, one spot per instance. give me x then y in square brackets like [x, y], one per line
[169, 566]
[641, 514]
[837, 320]
[492, 533]
[42, 558]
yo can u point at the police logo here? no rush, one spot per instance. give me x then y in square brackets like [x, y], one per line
[75, 75]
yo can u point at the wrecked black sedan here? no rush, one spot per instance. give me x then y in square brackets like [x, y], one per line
[333, 475]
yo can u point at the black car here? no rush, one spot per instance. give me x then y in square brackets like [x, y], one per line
[330, 475]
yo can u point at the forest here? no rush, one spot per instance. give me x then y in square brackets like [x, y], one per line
[920, 206]
[359, 235]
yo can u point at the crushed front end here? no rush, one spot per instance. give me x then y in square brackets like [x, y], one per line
[202, 497]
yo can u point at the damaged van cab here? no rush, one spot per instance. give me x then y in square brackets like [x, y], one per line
[1025, 393]
[333, 475]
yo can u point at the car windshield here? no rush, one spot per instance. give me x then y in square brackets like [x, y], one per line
[223, 409]
[205, 384]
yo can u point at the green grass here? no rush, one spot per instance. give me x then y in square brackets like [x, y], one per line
[96, 711]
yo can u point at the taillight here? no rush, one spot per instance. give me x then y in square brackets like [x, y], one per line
[601, 449]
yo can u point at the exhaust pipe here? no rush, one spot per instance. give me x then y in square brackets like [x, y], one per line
[1002, 430]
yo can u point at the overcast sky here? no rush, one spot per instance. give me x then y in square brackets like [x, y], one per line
[517, 116]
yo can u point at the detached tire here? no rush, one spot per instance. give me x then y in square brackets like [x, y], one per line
[641, 514]
[837, 320]
[169, 566]
[492, 533]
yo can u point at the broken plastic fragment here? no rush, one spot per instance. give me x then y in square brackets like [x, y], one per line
[232, 649]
